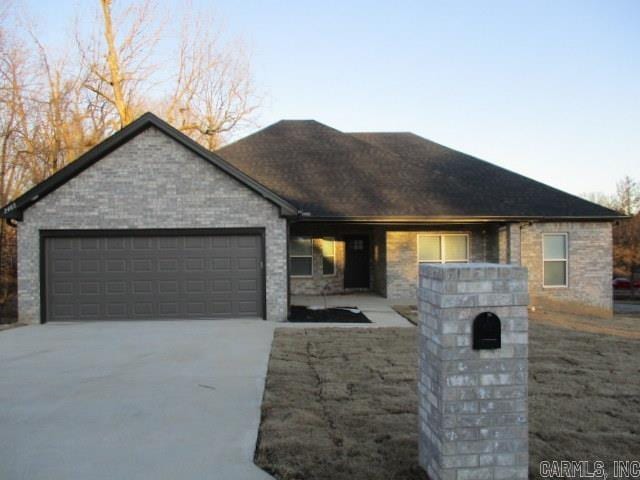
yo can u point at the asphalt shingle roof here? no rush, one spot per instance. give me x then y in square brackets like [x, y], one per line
[329, 173]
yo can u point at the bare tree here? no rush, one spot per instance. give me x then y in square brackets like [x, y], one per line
[206, 83]
[626, 200]
[600, 199]
[117, 56]
[116, 75]
[628, 195]
[13, 73]
[213, 91]
[63, 119]
[626, 248]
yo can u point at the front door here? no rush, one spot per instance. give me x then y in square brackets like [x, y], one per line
[356, 268]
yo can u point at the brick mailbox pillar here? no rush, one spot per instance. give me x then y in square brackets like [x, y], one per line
[473, 371]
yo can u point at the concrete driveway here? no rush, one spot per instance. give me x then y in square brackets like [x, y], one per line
[134, 400]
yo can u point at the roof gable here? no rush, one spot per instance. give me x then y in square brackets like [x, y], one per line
[14, 209]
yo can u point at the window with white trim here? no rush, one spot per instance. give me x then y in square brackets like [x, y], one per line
[301, 256]
[555, 259]
[328, 256]
[447, 248]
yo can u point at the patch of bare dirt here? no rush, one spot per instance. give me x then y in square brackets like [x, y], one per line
[625, 326]
[584, 395]
[342, 404]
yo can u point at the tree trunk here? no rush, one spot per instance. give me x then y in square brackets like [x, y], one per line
[114, 66]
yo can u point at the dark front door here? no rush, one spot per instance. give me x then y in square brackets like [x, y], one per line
[356, 268]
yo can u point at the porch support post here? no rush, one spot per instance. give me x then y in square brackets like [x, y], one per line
[514, 244]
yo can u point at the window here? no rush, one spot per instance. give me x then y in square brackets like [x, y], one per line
[301, 253]
[328, 256]
[443, 248]
[555, 259]
[357, 244]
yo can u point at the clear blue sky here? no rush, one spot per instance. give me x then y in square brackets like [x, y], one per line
[550, 89]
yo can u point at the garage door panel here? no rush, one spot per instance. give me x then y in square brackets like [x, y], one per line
[168, 265]
[115, 265]
[247, 307]
[89, 310]
[168, 287]
[142, 287]
[168, 309]
[247, 263]
[143, 243]
[116, 243]
[194, 264]
[222, 286]
[169, 243]
[115, 311]
[63, 288]
[115, 287]
[143, 308]
[118, 278]
[222, 308]
[61, 265]
[89, 288]
[248, 285]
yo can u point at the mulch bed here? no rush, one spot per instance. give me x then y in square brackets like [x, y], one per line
[329, 315]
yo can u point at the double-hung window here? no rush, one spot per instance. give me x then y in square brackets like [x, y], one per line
[301, 255]
[448, 248]
[328, 256]
[555, 259]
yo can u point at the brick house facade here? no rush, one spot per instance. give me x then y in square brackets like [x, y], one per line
[298, 208]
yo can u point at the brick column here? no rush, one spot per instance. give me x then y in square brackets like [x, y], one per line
[515, 244]
[503, 244]
[473, 403]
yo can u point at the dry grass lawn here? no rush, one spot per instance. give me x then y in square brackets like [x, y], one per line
[341, 403]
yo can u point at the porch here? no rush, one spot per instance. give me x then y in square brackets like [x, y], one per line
[330, 258]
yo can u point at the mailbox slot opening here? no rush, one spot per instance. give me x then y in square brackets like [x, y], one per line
[486, 331]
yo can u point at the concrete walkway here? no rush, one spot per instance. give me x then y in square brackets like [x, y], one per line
[376, 308]
[134, 400]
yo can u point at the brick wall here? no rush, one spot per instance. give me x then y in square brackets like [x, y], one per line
[589, 288]
[151, 182]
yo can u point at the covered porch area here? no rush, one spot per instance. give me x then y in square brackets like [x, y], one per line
[337, 258]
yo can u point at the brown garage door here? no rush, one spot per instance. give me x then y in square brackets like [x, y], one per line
[113, 276]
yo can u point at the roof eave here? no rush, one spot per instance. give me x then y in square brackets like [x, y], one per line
[458, 219]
